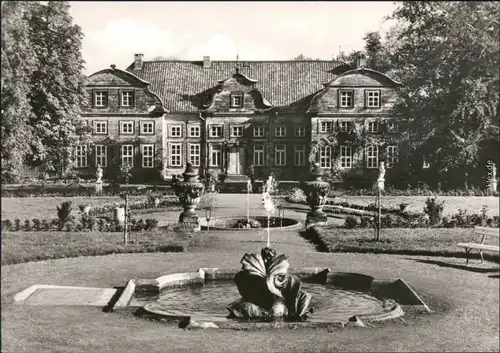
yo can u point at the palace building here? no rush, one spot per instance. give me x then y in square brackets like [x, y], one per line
[225, 116]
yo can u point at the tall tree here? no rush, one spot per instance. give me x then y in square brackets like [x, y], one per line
[18, 62]
[377, 57]
[42, 86]
[57, 85]
[447, 56]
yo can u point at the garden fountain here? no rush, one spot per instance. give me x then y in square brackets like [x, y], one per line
[316, 191]
[189, 192]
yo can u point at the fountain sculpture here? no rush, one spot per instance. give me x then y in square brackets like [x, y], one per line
[267, 290]
[189, 192]
[316, 191]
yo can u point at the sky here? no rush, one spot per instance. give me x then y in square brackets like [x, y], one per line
[115, 31]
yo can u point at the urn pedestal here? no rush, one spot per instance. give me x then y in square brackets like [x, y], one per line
[316, 191]
[189, 192]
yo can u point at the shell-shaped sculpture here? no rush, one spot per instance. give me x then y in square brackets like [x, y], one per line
[267, 289]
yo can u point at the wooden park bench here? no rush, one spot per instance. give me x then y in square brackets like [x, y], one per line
[484, 232]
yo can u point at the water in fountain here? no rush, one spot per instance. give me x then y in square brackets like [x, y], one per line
[268, 205]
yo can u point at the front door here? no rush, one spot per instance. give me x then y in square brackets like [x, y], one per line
[236, 161]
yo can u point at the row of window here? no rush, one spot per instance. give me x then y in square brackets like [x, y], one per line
[215, 155]
[217, 131]
[346, 99]
[327, 126]
[126, 127]
[280, 155]
[100, 99]
[126, 155]
[346, 158]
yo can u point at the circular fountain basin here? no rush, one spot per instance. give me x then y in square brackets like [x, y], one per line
[209, 300]
[256, 222]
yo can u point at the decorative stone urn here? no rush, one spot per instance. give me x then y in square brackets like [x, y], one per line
[267, 291]
[316, 191]
[189, 192]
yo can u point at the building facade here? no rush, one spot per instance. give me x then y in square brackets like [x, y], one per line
[225, 116]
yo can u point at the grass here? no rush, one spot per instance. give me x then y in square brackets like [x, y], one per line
[472, 204]
[45, 207]
[414, 241]
[18, 247]
[465, 304]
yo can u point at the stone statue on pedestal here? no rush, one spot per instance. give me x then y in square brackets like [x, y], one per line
[98, 182]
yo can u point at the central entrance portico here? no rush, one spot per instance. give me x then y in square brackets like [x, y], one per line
[236, 160]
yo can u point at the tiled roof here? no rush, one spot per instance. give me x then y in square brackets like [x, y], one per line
[282, 83]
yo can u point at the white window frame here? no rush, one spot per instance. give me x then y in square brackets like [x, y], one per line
[216, 127]
[346, 98]
[148, 155]
[237, 96]
[127, 97]
[81, 156]
[325, 156]
[372, 126]
[300, 131]
[175, 150]
[259, 155]
[373, 98]
[392, 156]
[175, 131]
[345, 156]
[371, 156]
[239, 128]
[344, 126]
[101, 155]
[144, 127]
[299, 155]
[259, 131]
[127, 155]
[126, 123]
[98, 127]
[215, 150]
[281, 129]
[195, 154]
[326, 126]
[280, 150]
[99, 98]
[194, 130]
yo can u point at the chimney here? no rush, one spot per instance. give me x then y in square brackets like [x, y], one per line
[206, 62]
[138, 61]
[361, 61]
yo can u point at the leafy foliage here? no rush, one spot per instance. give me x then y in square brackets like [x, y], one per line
[42, 86]
[64, 213]
[446, 54]
[434, 210]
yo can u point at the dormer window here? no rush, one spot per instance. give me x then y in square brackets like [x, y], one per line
[346, 99]
[100, 98]
[373, 99]
[237, 100]
[127, 99]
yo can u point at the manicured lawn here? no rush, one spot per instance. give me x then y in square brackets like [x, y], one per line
[465, 304]
[45, 207]
[472, 204]
[417, 241]
[33, 246]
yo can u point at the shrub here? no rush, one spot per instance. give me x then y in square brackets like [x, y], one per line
[64, 213]
[37, 225]
[350, 222]
[45, 225]
[151, 224]
[17, 224]
[6, 225]
[366, 222]
[88, 221]
[296, 195]
[434, 210]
